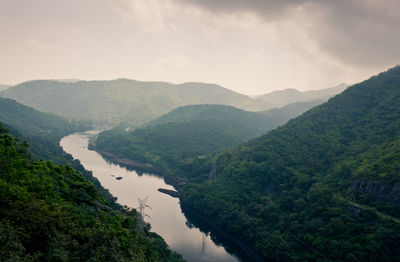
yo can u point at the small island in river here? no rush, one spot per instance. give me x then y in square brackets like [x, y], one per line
[172, 193]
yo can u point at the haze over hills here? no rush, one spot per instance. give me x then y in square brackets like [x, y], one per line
[129, 101]
[3, 87]
[323, 186]
[284, 97]
[186, 133]
[282, 114]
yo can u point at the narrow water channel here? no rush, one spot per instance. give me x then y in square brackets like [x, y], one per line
[164, 215]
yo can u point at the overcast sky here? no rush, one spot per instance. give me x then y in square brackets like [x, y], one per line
[250, 46]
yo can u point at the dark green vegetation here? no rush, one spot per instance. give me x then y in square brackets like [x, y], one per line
[132, 102]
[323, 187]
[43, 132]
[188, 133]
[52, 213]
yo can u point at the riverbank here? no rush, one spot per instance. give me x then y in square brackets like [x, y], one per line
[179, 183]
[247, 251]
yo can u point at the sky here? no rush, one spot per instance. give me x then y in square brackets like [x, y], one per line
[249, 46]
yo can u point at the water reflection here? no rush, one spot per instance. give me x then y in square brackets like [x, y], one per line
[165, 216]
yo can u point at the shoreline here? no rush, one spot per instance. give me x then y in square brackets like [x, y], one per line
[244, 248]
[178, 184]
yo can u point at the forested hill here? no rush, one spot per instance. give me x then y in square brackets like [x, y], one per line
[52, 213]
[124, 100]
[42, 130]
[134, 102]
[323, 187]
[186, 133]
[283, 114]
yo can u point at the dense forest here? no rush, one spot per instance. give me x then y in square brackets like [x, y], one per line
[133, 103]
[43, 132]
[51, 212]
[191, 132]
[323, 187]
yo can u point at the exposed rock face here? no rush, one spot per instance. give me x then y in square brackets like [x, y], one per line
[379, 189]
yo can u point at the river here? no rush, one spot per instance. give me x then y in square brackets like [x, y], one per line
[164, 212]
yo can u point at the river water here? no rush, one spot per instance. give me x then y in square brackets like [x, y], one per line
[164, 215]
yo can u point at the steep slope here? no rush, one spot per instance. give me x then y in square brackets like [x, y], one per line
[51, 213]
[283, 114]
[323, 187]
[42, 130]
[282, 98]
[124, 100]
[185, 133]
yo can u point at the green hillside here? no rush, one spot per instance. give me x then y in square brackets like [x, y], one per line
[122, 100]
[52, 213]
[186, 133]
[43, 132]
[323, 187]
[281, 115]
[134, 103]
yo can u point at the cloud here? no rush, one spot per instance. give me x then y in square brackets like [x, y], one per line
[153, 14]
[361, 33]
[174, 63]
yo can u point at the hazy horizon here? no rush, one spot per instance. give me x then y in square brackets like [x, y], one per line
[251, 47]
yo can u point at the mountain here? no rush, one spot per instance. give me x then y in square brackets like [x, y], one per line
[120, 100]
[323, 187]
[3, 87]
[134, 103]
[284, 97]
[42, 130]
[52, 213]
[281, 115]
[185, 133]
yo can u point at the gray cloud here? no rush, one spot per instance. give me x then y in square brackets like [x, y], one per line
[356, 32]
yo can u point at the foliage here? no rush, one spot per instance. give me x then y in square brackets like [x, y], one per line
[43, 132]
[133, 103]
[52, 213]
[307, 191]
[186, 134]
[323, 187]
[122, 100]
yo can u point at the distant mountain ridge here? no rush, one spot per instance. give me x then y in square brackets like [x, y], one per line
[185, 133]
[3, 87]
[284, 97]
[133, 102]
[119, 100]
[323, 187]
